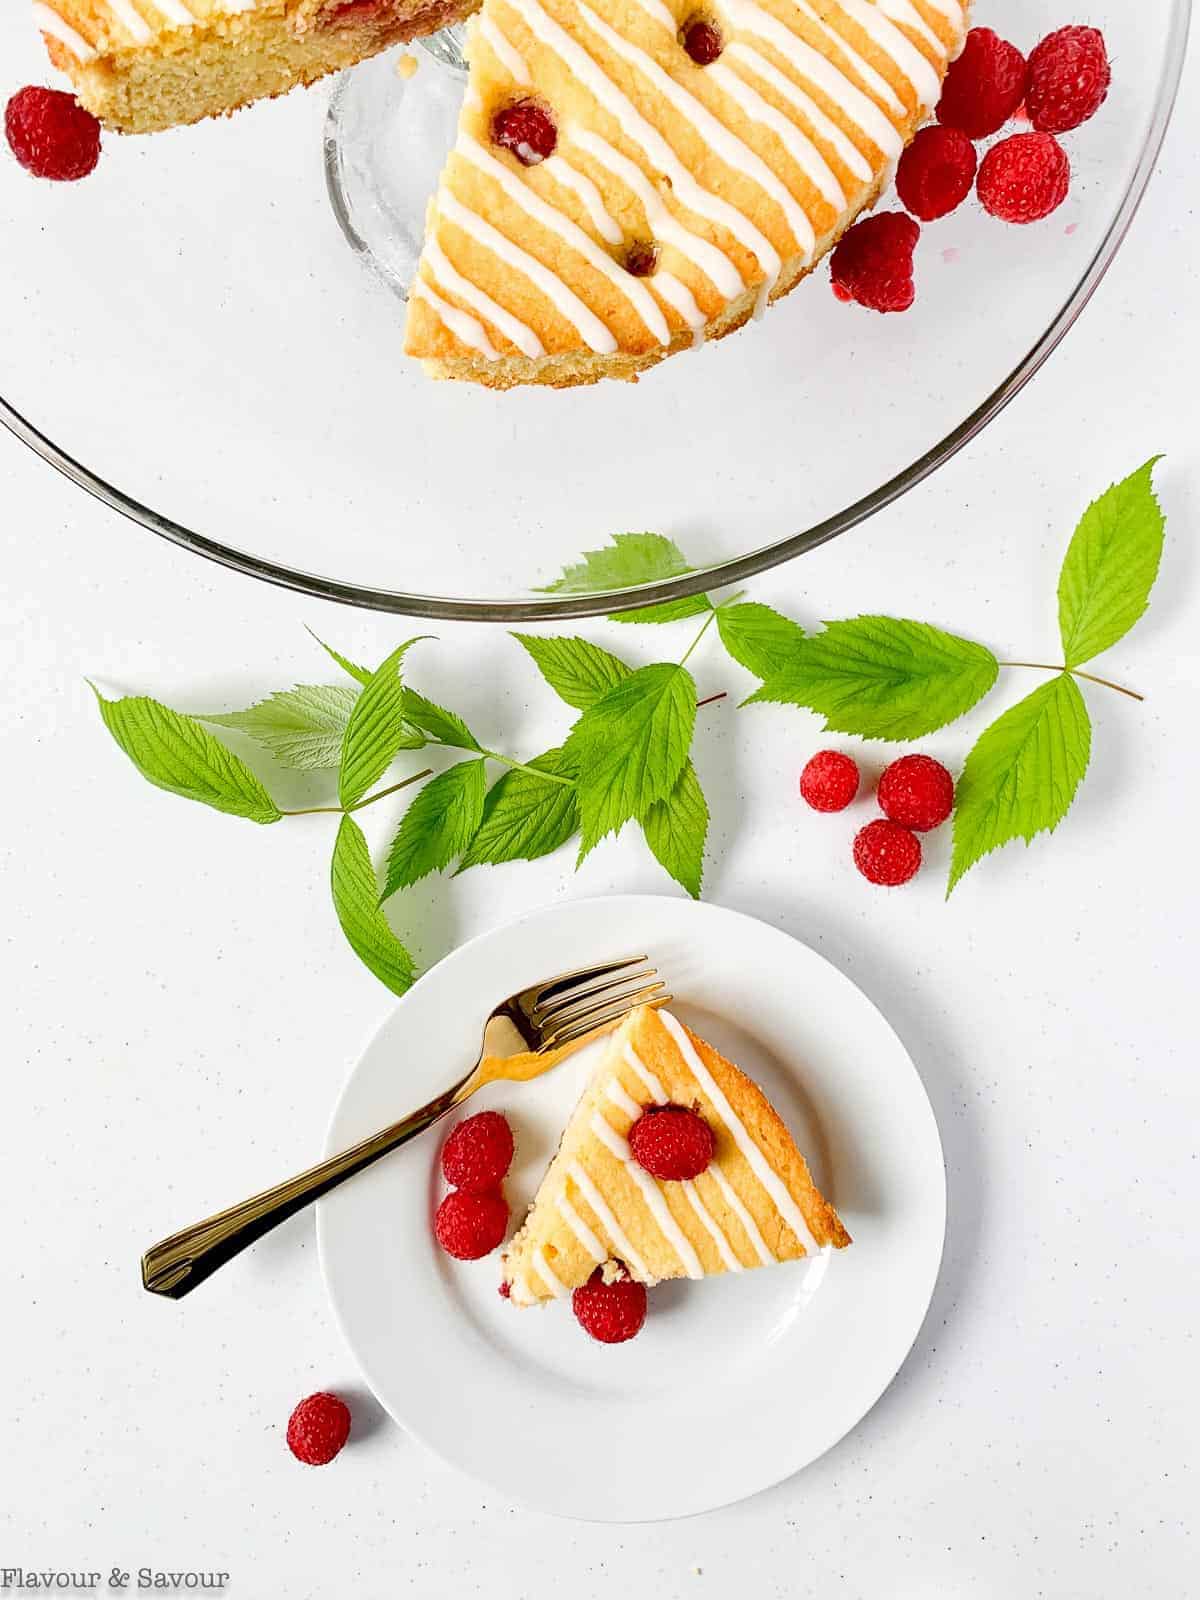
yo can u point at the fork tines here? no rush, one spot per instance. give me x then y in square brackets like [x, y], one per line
[583, 1002]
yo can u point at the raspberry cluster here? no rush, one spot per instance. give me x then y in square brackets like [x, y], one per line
[915, 794]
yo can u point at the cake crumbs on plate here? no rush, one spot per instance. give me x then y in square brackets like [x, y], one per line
[406, 65]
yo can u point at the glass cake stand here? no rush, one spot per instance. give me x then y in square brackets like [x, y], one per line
[186, 335]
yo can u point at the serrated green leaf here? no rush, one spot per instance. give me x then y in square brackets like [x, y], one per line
[883, 677]
[525, 817]
[438, 826]
[359, 674]
[676, 829]
[578, 672]
[1022, 774]
[629, 559]
[356, 901]
[447, 727]
[694, 605]
[758, 638]
[177, 753]
[377, 730]
[1110, 567]
[630, 747]
[303, 728]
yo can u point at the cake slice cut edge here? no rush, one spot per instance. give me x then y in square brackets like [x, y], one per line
[755, 1204]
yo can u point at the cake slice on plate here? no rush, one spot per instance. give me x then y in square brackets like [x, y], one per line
[144, 65]
[598, 1206]
[634, 176]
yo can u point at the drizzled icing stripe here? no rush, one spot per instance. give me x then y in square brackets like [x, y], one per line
[547, 1274]
[657, 10]
[460, 323]
[735, 1203]
[783, 86]
[502, 48]
[712, 262]
[632, 1060]
[593, 201]
[733, 151]
[951, 9]
[571, 234]
[617, 1094]
[875, 81]
[651, 1193]
[131, 20]
[797, 143]
[916, 67]
[588, 326]
[635, 127]
[677, 294]
[51, 23]
[904, 11]
[712, 1226]
[759, 1165]
[176, 11]
[624, 1247]
[513, 329]
[580, 1229]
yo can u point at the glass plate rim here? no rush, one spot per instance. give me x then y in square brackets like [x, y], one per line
[721, 574]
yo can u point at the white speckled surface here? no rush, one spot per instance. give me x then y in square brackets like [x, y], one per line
[179, 1012]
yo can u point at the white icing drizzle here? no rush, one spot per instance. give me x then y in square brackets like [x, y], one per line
[589, 327]
[950, 9]
[677, 294]
[617, 1093]
[623, 1245]
[657, 10]
[733, 151]
[50, 22]
[794, 140]
[735, 1203]
[712, 262]
[651, 1193]
[502, 48]
[176, 11]
[759, 1165]
[593, 201]
[712, 1226]
[460, 323]
[580, 1229]
[635, 127]
[639, 1068]
[916, 67]
[547, 1274]
[904, 11]
[131, 20]
[235, 7]
[571, 234]
[513, 329]
[875, 81]
[783, 86]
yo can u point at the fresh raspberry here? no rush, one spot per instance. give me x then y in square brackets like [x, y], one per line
[526, 129]
[936, 172]
[829, 781]
[1024, 178]
[641, 260]
[917, 792]
[478, 1153]
[50, 135]
[873, 262]
[702, 42]
[610, 1312]
[469, 1226]
[984, 87]
[1069, 77]
[672, 1142]
[886, 853]
[318, 1428]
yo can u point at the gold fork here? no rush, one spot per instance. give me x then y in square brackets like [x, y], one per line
[525, 1035]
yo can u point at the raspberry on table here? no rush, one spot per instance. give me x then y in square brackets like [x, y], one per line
[672, 1142]
[318, 1428]
[829, 781]
[527, 129]
[1024, 178]
[887, 854]
[469, 1226]
[873, 262]
[1069, 78]
[984, 87]
[478, 1153]
[610, 1312]
[916, 792]
[936, 172]
[51, 135]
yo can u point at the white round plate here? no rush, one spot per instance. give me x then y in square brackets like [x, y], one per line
[734, 1383]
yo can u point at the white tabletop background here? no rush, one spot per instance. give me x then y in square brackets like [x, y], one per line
[179, 1011]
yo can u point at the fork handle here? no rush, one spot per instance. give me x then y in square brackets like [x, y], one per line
[175, 1265]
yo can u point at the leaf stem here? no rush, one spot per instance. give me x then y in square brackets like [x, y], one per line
[708, 622]
[521, 766]
[712, 699]
[1107, 683]
[344, 811]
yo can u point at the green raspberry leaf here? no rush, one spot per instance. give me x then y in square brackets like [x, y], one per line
[1110, 567]
[676, 829]
[377, 730]
[627, 560]
[359, 674]
[356, 901]
[525, 817]
[303, 728]
[630, 747]
[758, 638]
[883, 677]
[1022, 774]
[577, 671]
[435, 722]
[178, 753]
[438, 825]
[694, 605]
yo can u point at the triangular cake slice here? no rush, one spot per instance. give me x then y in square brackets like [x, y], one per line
[624, 186]
[756, 1202]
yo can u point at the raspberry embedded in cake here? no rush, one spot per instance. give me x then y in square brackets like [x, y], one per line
[641, 259]
[702, 41]
[527, 129]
